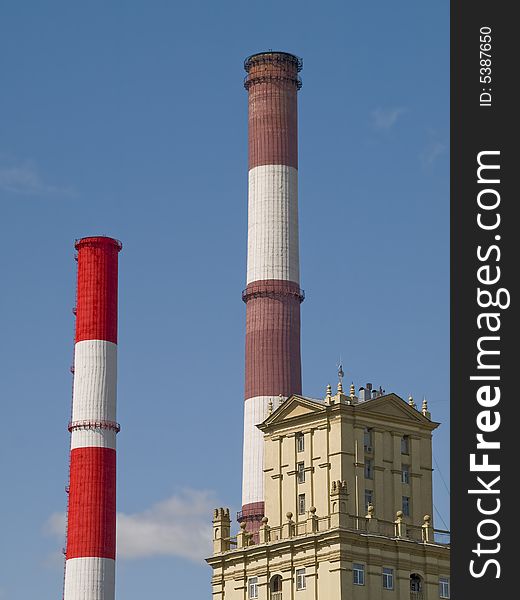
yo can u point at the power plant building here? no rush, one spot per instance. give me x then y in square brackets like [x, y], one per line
[337, 495]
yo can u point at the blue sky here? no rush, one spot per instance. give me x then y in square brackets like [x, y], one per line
[129, 119]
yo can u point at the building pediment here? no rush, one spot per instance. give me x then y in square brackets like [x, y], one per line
[392, 406]
[294, 407]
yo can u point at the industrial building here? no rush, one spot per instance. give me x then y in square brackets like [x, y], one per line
[336, 492]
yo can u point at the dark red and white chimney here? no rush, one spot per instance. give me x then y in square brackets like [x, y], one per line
[91, 518]
[272, 295]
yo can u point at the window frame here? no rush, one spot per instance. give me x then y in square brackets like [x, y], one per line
[300, 472]
[368, 442]
[300, 442]
[252, 584]
[371, 501]
[355, 571]
[444, 581]
[405, 479]
[388, 576]
[405, 445]
[300, 577]
[369, 469]
[406, 506]
[300, 511]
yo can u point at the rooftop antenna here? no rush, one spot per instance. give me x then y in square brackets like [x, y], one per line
[340, 371]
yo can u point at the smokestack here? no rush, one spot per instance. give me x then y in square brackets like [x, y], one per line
[272, 295]
[91, 519]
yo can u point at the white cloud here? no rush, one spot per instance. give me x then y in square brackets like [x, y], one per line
[432, 152]
[55, 524]
[53, 560]
[177, 526]
[385, 118]
[25, 179]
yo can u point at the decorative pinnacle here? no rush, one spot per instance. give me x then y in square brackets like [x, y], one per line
[352, 390]
[340, 386]
[328, 392]
[270, 407]
[411, 401]
[425, 410]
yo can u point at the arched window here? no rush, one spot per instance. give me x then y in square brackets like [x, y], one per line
[416, 587]
[275, 587]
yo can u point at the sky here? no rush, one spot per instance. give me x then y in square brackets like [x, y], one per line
[129, 119]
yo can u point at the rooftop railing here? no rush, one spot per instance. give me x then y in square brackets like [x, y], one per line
[367, 525]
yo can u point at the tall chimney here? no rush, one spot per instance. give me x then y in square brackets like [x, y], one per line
[272, 295]
[91, 519]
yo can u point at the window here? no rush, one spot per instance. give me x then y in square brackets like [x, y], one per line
[388, 578]
[358, 571]
[405, 445]
[406, 506]
[301, 504]
[369, 469]
[416, 582]
[276, 586]
[300, 468]
[405, 473]
[368, 439]
[444, 587]
[369, 498]
[300, 442]
[252, 584]
[300, 579]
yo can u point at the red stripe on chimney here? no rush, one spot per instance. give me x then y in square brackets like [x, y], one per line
[96, 309]
[273, 115]
[273, 361]
[91, 529]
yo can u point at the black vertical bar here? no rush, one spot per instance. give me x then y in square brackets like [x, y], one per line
[483, 121]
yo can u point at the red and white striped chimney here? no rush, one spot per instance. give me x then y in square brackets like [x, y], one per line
[91, 520]
[272, 295]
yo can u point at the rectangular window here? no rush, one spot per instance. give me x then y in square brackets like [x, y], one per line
[300, 468]
[368, 439]
[406, 506]
[369, 498]
[252, 585]
[358, 571]
[405, 445]
[405, 473]
[388, 578]
[444, 587]
[300, 579]
[301, 504]
[369, 468]
[300, 442]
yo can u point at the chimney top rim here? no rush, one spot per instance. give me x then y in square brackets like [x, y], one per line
[273, 55]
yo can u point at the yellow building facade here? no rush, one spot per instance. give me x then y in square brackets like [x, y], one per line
[348, 503]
